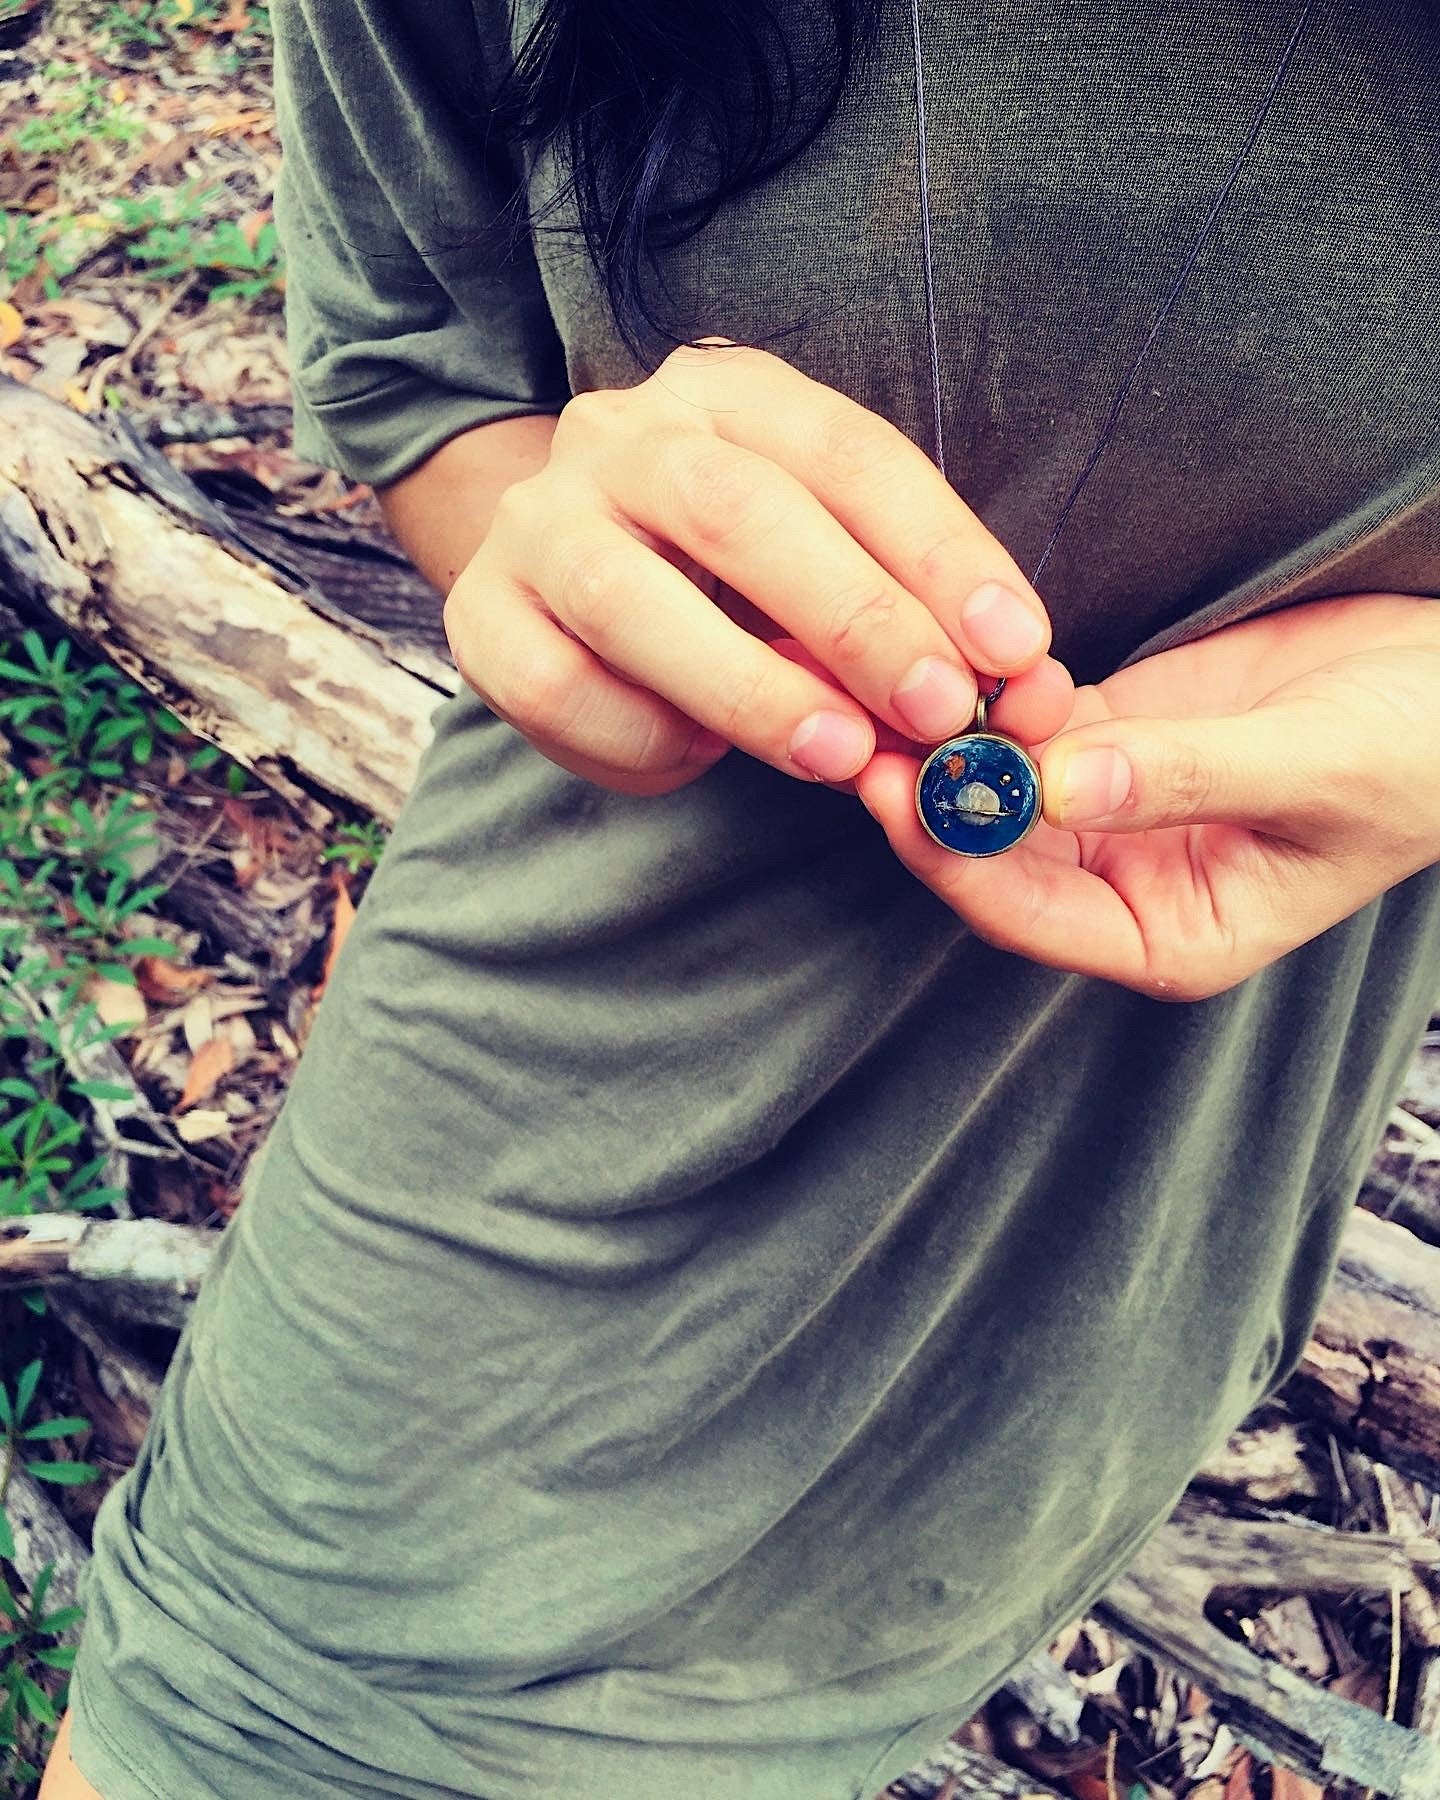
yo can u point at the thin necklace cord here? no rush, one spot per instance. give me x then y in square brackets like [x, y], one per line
[922, 145]
[1122, 393]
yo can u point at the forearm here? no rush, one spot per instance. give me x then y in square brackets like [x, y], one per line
[442, 509]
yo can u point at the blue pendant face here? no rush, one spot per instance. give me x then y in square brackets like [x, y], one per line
[978, 794]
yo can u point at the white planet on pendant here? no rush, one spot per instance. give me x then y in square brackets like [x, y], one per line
[977, 800]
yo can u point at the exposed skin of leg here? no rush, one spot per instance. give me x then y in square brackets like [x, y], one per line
[63, 1781]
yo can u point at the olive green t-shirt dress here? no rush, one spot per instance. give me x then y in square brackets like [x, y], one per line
[703, 1316]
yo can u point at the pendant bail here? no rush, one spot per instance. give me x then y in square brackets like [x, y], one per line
[985, 702]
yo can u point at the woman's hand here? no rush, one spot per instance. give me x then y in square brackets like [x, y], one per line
[619, 610]
[1212, 807]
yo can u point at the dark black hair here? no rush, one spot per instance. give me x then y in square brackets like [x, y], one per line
[661, 110]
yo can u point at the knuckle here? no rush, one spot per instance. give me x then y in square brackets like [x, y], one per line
[722, 497]
[537, 697]
[860, 621]
[594, 582]
[589, 415]
[1181, 780]
[946, 563]
[701, 353]
[687, 356]
[518, 506]
[461, 619]
[1176, 987]
[1203, 962]
[854, 445]
[1185, 989]
[742, 707]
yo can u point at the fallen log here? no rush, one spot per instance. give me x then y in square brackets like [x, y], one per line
[1403, 1181]
[146, 1271]
[1371, 1370]
[951, 1772]
[1159, 1603]
[126, 1377]
[272, 943]
[356, 569]
[43, 1535]
[199, 422]
[100, 533]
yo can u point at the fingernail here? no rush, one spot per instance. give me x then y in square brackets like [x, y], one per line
[830, 746]
[1001, 627]
[1094, 786]
[935, 699]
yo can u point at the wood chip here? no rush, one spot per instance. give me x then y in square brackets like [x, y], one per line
[197, 1127]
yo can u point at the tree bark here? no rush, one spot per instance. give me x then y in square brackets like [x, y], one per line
[1159, 1605]
[43, 1535]
[1371, 1370]
[99, 531]
[147, 1271]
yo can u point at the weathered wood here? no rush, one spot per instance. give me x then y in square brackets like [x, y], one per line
[1260, 1463]
[99, 531]
[1371, 1370]
[1420, 1095]
[200, 422]
[1047, 1693]
[126, 1377]
[1158, 1604]
[359, 568]
[951, 1772]
[43, 1535]
[152, 1269]
[1427, 1697]
[272, 939]
[1403, 1180]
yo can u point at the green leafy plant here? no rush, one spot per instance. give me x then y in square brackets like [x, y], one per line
[85, 110]
[54, 249]
[20, 247]
[157, 24]
[28, 1640]
[29, 1633]
[133, 27]
[161, 207]
[249, 268]
[78, 718]
[28, 1714]
[47, 1027]
[16, 1400]
[75, 848]
[359, 847]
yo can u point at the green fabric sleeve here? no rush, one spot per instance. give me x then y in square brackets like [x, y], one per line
[411, 314]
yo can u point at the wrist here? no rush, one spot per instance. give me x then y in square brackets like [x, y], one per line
[440, 511]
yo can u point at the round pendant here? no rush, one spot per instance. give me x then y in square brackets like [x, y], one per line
[978, 794]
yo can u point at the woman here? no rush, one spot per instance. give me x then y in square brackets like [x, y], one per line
[732, 1277]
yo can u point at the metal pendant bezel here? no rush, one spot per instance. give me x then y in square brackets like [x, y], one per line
[948, 748]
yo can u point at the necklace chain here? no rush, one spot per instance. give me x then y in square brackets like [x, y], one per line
[1122, 392]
